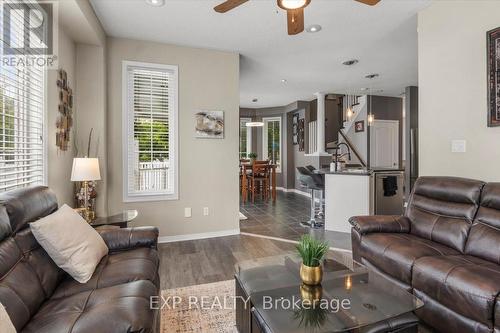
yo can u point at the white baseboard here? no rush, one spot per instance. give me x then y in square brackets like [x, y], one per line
[293, 190]
[213, 234]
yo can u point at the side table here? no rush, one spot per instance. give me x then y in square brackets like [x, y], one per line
[120, 220]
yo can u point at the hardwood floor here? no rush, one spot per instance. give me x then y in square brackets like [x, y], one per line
[210, 260]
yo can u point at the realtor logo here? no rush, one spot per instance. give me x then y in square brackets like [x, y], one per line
[28, 33]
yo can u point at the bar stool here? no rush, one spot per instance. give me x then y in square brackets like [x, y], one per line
[315, 184]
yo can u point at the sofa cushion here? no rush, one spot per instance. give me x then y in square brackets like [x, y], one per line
[40, 262]
[444, 320]
[20, 289]
[116, 268]
[484, 236]
[465, 284]
[442, 209]
[395, 254]
[28, 204]
[121, 308]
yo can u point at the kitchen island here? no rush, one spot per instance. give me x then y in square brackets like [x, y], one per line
[359, 192]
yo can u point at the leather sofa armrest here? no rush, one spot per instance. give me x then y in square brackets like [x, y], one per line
[129, 238]
[380, 223]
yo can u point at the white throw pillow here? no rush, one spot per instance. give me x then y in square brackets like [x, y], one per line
[71, 242]
[6, 325]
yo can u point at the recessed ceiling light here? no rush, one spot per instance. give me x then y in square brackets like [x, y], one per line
[350, 62]
[255, 100]
[371, 76]
[314, 28]
[156, 3]
[363, 89]
[284, 81]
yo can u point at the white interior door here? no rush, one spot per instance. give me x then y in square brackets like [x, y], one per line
[384, 144]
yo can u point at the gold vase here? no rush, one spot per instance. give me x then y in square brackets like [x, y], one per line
[311, 276]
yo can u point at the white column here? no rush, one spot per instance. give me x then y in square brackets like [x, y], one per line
[320, 123]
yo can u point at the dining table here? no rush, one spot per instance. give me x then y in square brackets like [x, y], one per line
[245, 169]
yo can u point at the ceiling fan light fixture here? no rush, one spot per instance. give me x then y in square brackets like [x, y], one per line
[292, 4]
[155, 3]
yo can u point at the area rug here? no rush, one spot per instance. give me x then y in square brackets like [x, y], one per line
[207, 308]
[242, 217]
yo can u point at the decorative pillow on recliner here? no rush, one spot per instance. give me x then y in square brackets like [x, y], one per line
[71, 242]
[6, 325]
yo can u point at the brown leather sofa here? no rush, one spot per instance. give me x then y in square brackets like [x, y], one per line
[40, 297]
[445, 249]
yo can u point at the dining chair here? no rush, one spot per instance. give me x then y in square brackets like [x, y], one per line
[259, 180]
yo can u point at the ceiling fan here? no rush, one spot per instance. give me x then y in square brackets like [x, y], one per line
[294, 10]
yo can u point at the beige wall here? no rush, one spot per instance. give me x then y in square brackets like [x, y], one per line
[91, 106]
[85, 65]
[208, 174]
[453, 90]
[60, 162]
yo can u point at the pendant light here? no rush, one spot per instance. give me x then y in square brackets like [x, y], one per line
[350, 112]
[371, 116]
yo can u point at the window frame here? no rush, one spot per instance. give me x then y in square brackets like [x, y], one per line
[127, 117]
[266, 121]
[244, 121]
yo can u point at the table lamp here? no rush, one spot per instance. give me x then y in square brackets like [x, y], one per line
[84, 170]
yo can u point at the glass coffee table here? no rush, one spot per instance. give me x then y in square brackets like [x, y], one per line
[351, 298]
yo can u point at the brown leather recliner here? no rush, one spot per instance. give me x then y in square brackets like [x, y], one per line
[40, 297]
[445, 249]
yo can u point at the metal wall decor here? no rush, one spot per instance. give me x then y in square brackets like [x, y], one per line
[301, 134]
[295, 129]
[65, 119]
[493, 40]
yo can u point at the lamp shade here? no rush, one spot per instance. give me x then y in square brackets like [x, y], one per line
[85, 169]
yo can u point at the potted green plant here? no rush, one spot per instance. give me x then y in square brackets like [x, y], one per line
[312, 252]
[252, 156]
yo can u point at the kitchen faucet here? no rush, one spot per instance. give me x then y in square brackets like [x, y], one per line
[336, 156]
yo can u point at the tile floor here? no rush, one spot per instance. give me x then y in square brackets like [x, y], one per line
[282, 220]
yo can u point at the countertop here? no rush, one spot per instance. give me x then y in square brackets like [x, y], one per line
[358, 172]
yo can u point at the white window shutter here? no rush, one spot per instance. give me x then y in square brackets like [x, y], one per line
[22, 105]
[149, 131]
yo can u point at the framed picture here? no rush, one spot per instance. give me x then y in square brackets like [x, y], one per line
[295, 129]
[209, 124]
[493, 41]
[359, 126]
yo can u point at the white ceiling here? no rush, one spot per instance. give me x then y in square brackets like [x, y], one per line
[383, 38]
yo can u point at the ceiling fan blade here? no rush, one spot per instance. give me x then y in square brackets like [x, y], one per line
[369, 2]
[295, 19]
[228, 5]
